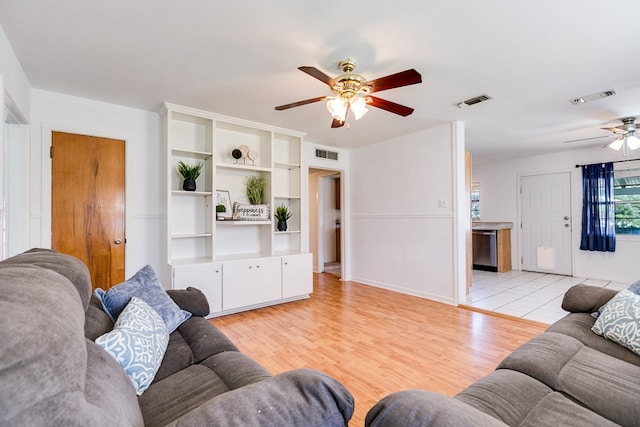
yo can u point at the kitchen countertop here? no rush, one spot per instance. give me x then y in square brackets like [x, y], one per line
[491, 225]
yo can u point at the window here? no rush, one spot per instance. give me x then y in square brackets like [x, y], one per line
[626, 190]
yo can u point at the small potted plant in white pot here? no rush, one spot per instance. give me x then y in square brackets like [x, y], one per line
[282, 215]
[190, 173]
[220, 211]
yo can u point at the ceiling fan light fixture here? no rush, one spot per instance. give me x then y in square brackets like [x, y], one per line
[359, 107]
[633, 142]
[337, 107]
[616, 144]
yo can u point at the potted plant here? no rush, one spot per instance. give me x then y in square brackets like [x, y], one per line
[190, 173]
[254, 189]
[282, 215]
[220, 211]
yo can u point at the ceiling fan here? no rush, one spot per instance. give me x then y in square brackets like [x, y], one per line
[351, 92]
[627, 136]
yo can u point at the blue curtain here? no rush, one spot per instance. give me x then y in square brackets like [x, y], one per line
[598, 208]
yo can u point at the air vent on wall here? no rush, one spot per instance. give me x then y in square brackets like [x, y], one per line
[473, 101]
[324, 154]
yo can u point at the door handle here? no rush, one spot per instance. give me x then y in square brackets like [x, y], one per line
[566, 218]
[117, 241]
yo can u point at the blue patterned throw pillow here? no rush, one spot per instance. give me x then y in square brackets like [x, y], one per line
[620, 320]
[138, 342]
[146, 286]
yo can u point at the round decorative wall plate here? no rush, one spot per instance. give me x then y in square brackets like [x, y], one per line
[244, 150]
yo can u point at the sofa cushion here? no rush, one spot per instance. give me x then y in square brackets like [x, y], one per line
[620, 321]
[191, 300]
[96, 321]
[144, 285]
[420, 408]
[177, 357]
[578, 326]
[46, 364]
[585, 298]
[506, 395]
[555, 410]
[604, 384]
[301, 397]
[138, 342]
[176, 395]
[66, 265]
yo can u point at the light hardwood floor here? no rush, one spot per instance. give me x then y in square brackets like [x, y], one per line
[376, 341]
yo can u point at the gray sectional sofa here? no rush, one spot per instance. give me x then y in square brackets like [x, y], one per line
[52, 373]
[566, 376]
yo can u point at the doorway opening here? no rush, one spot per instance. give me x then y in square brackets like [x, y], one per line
[325, 220]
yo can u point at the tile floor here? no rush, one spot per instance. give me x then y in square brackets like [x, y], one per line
[529, 295]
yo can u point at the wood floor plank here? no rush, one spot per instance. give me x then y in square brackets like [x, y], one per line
[376, 341]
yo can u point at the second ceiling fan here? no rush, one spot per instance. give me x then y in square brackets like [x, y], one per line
[351, 92]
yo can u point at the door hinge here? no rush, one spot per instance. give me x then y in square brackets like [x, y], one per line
[51, 152]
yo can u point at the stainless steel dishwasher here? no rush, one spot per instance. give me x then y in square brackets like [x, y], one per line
[485, 250]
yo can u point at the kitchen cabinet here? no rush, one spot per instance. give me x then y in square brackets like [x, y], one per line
[492, 246]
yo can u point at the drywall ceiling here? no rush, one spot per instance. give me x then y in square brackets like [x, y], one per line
[240, 58]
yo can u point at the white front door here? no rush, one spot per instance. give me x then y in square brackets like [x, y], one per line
[546, 223]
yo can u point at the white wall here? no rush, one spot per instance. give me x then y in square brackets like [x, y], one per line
[141, 131]
[403, 213]
[16, 84]
[499, 197]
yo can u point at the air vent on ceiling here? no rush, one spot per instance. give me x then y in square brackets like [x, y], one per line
[473, 101]
[593, 97]
[324, 154]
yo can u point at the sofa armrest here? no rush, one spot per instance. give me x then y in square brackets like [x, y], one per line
[191, 300]
[419, 408]
[586, 299]
[301, 397]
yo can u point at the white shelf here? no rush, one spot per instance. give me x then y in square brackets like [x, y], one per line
[287, 166]
[191, 236]
[204, 155]
[242, 223]
[240, 166]
[191, 193]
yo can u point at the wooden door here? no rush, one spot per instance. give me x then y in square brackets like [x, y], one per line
[88, 203]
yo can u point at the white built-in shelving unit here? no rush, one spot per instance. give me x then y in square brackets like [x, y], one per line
[239, 265]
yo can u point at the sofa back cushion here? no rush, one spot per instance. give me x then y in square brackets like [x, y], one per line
[48, 370]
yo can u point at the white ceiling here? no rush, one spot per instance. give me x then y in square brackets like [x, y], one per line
[240, 58]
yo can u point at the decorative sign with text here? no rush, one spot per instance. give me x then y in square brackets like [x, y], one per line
[242, 212]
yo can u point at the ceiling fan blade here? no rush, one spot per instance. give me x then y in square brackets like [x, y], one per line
[299, 103]
[615, 130]
[392, 107]
[403, 78]
[587, 139]
[314, 72]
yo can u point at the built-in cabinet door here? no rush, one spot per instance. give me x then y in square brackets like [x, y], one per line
[250, 282]
[206, 277]
[268, 278]
[297, 275]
